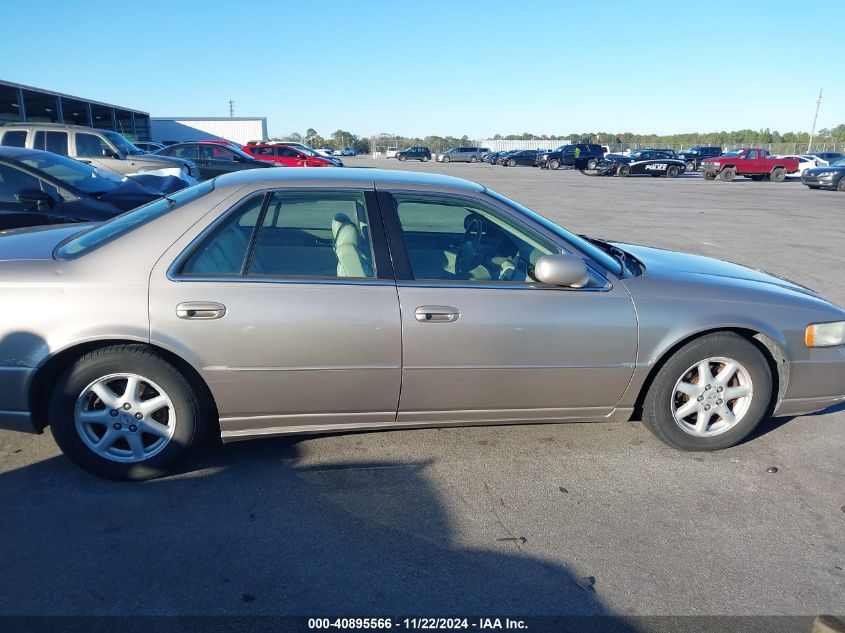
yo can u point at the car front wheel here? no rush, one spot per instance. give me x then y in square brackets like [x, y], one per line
[554, 163]
[841, 185]
[710, 394]
[124, 412]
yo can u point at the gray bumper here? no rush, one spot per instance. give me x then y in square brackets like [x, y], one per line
[14, 401]
[816, 383]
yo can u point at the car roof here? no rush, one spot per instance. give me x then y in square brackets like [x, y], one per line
[15, 153]
[345, 177]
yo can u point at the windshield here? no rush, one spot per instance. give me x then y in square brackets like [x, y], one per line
[74, 173]
[121, 143]
[733, 152]
[100, 234]
[581, 244]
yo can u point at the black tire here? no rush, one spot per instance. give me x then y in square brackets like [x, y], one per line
[657, 406]
[709, 175]
[673, 171]
[691, 166]
[728, 174]
[511, 163]
[591, 164]
[137, 359]
[424, 159]
[554, 164]
[401, 158]
[778, 174]
[446, 159]
[623, 170]
[473, 159]
[841, 185]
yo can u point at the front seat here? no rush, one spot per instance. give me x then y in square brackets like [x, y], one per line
[348, 248]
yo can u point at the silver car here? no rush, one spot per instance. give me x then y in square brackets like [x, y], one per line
[460, 155]
[275, 301]
[104, 149]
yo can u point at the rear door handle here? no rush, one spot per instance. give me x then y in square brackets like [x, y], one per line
[437, 314]
[200, 310]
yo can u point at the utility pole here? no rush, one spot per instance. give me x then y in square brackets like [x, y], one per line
[813, 131]
[231, 107]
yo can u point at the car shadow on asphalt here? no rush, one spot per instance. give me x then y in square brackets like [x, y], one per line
[258, 528]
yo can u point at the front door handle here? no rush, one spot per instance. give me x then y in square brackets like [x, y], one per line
[200, 310]
[437, 314]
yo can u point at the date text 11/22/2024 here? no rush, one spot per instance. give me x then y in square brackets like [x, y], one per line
[423, 623]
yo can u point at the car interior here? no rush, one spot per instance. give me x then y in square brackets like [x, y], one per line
[301, 235]
[452, 240]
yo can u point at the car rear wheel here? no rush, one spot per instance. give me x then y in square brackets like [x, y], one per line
[710, 394]
[425, 159]
[554, 163]
[673, 171]
[778, 174]
[691, 166]
[123, 412]
[623, 170]
[473, 159]
[728, 174]
[591, 164]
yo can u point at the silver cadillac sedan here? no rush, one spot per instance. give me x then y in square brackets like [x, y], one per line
[279, 301]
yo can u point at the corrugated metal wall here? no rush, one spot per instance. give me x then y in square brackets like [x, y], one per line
[504, 145]
[237, 129]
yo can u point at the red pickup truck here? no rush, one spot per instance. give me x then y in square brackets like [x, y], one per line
[751, 163]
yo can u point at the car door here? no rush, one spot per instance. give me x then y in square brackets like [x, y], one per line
[289, 157]
[482, 341]
[94, 150]
[287, 307]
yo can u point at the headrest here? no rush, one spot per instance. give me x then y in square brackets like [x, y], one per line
[346, 234]
[339, 220]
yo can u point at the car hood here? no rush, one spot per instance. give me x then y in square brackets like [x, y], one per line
[672, 263]
[820, 170]
[37, 242]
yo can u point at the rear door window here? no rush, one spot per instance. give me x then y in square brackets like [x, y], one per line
[55, 142]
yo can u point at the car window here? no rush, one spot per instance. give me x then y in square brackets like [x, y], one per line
[55, 142]
[455, 239]
[262, 151]
[190, 152]
[12, 181]
[89, 145]
[211, 151]
[297, 234]
[287, 152]
[15, 138]
[74, 172]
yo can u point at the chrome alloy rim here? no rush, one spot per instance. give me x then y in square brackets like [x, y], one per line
[125, 418]
[712, 396]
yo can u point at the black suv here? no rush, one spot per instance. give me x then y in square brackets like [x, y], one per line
[697, 153]
[414, 153]
[579, 155]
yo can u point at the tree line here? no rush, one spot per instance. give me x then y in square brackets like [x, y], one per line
[363, 145]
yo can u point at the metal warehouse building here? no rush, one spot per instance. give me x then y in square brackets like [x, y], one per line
[237, 129]
[22, 104]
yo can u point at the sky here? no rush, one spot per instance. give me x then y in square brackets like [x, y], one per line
[437, 67]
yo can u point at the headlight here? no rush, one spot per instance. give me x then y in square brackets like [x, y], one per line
[825, 334]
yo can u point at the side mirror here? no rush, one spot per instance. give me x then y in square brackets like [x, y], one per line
[35, 199]
[562, 270]
[108, 152]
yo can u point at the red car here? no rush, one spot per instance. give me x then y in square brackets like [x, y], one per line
[287, 156]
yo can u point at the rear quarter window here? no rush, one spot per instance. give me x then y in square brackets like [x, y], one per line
[14, 138]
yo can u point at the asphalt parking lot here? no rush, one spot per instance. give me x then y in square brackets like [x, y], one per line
[528, 520]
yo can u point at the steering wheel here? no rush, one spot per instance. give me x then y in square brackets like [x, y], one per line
[469, 254]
